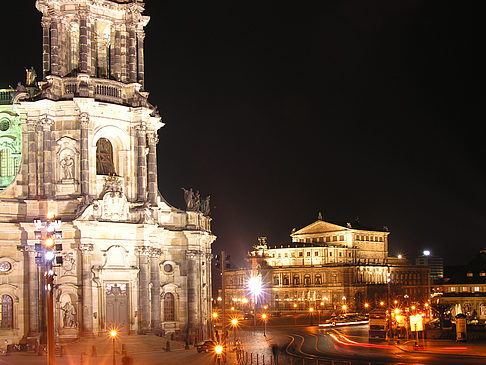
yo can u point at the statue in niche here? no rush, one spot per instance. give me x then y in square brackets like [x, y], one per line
[67, 164]
[69, 315]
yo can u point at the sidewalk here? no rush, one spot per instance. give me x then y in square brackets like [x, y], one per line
[444, 347]
[143, 349]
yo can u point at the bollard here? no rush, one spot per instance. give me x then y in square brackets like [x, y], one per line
[263, 359]
[257, 359]
[271, 359]
[251, 358]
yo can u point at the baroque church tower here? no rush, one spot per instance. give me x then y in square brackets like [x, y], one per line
[87, 140]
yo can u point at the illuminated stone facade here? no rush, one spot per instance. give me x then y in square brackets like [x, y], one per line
[329, 263]
[10, 139]
[89, 138]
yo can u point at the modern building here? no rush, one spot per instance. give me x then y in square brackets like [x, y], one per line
[465, 290]
[328, 263]
[434, 263]
[87, 137]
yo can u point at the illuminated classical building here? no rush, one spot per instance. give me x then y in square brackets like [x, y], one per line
[87, 136]
[330, 263]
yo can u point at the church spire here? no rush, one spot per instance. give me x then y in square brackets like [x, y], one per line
[86, 39]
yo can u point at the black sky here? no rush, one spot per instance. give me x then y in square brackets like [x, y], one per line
[366, 109]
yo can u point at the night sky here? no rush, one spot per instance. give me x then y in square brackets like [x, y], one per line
[363, 110]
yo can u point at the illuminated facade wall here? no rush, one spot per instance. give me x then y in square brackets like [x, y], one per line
[335, 271]
[89, 142]
[10, 139]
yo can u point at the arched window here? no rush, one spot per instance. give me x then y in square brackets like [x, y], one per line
[104, 158]
[6, 321]
[169, 310]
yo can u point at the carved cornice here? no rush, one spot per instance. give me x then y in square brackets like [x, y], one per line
[84, 120]
[143, 250]
[46, 122]
[86, 247]
[193, 254]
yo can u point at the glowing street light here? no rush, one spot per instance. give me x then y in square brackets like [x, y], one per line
[113, 334]
[234, 323]
[215, 315]
[255, 286]
[382, 303]
[264, 318]
[218, 349]
[366, 305]
[311, 311]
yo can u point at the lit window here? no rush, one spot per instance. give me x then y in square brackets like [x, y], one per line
[316, 253]
[470, 275]
[476, 288]
[6, 319]
[104, 158]
[308, 253]
[482, 273]
[301, 254]
[169, 311]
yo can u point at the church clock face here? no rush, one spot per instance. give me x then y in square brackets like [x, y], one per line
[10, 140]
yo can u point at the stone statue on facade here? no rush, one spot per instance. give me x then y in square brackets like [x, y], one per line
[69, 315]
[205, 207]
[30, 77]
[197, 202]
[189, 199]
[67, 164]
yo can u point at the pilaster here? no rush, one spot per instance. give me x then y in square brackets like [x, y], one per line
[142, 163]
[87, 288]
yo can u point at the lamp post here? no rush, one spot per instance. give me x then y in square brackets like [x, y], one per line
[46, 231]
[113, 334]
[264, 318]
[255, 286]
[234, 323]
[311, 311]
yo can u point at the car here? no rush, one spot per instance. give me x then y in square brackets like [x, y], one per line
[205, 346]
[248, 316]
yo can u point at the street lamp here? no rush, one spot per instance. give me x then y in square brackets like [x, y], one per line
[218, 349]
[234, 322]
[113, 334]
[46, 231]
[264, 318]
[311, 311]
[255, 286]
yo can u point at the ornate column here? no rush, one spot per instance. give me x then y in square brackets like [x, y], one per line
[46, 49]
[55, 66]
[193, 290]
[142, 163]
[117, 58]
[83, 41]
[132, 54]
[143, 253]
[33, 290]
[152, 167]
[140, 58]
[84, 158]
[32, 153]
[87, 288]
[47, 157]
[155, 316]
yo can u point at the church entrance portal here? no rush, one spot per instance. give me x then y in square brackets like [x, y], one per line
[117, 307]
